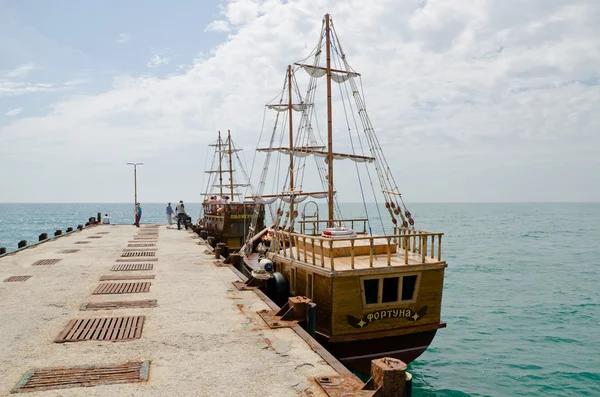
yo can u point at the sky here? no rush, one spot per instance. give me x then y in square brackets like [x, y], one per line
[472, 100]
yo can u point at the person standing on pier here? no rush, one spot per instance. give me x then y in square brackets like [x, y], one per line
[169, 214]
[181, 215]
[138, 214]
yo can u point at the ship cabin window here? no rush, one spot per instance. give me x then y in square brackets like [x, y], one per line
[389, 290]
[408, 287]
[371, 291]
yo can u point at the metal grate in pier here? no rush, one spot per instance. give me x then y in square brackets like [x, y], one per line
[69, 251]
[128, 277]
[132, 267]
[122, 288]
[104, 328]
[82, 376]
[12, 279]
[44, 262]
[119, 305]
[138, 253]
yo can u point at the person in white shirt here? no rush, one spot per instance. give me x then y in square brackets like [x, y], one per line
[181, 215]
[106, 220]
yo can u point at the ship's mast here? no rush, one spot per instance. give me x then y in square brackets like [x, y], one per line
[329, 126]
[230, 165]
[220, 165]
[289, 73]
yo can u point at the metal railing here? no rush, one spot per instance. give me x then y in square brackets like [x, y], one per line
[417, 242]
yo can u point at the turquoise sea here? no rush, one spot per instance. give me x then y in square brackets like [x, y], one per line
[520, 300]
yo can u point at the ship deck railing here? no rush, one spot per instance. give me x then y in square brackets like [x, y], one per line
[405, 247]
[229, 208]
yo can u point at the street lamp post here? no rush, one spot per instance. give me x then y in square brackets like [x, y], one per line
[135, 181]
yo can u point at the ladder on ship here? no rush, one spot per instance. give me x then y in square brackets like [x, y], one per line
[311, 228]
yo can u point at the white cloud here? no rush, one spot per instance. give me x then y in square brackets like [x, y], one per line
[471, 100]
[123, 38]
[218, 26]
[157, 61]
[21, 71]
[14, 112]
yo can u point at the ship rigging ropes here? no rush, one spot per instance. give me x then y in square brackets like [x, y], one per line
[221, 180]
[307, 142]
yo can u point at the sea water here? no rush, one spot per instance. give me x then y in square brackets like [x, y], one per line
[520, 295]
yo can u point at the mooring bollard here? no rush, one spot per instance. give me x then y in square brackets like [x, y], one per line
[58, 232]
[224, 250]
[87, 224]
[2, 250]
[43, 236]
[80, 227]
[218, 252]
[389, 377]
[22, 243]
[311, 319]
[99, 217]
[203, 234]
[69, 229]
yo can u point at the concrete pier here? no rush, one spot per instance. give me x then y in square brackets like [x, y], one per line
[201, 336]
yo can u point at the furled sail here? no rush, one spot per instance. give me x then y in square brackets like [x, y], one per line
[304, 152]
[298, 107]
[319, 72]
[287, 197]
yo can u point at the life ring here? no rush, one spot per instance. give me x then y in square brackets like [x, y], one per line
[338, 232]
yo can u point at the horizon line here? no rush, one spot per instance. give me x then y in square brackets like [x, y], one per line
[348, 202]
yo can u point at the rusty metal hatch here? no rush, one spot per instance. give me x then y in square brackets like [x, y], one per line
[16, 278]
[132, 267]
[122, 288]
[102, 328]
[127, 277]
[69, 251]
[119, 305]
[82, 376]
[142, 245]
[139, 259]
[137, 253]
[43, 262]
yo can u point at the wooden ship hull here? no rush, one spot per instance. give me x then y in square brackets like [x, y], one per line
[230, 226]
[226, 215]
[374, 297]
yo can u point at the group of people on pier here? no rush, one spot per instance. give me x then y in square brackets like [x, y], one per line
[179, 213]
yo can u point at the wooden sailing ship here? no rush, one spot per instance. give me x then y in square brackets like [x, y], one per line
[376, 295]
[225, 215]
